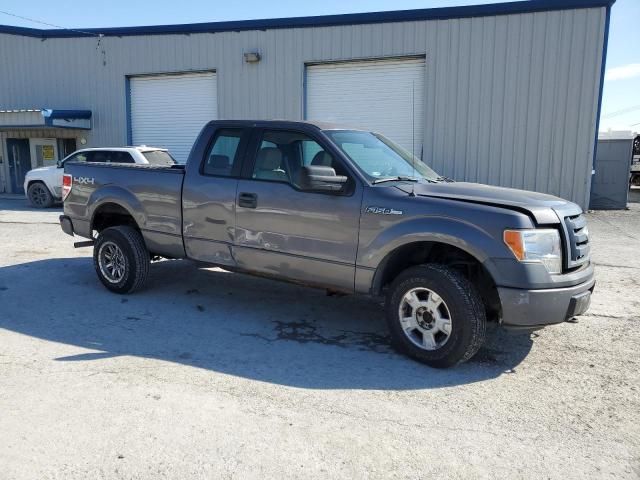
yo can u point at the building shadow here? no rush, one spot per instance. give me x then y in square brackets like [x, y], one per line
[231, 323]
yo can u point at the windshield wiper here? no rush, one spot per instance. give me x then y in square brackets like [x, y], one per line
[399, 178]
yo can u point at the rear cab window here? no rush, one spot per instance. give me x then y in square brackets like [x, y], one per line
[223, 157]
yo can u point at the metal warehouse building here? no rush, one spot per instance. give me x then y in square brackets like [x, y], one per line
[507, 94]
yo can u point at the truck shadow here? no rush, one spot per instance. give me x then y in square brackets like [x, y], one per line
[18, 203]
[235, 324]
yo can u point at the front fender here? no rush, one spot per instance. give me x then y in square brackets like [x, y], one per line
[464, 235]
[46, 180]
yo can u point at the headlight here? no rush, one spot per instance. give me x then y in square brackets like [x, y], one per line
[536, 245]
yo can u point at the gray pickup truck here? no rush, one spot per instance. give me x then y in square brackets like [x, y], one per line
[346, 210]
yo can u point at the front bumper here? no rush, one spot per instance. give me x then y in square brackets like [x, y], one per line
[533, 309]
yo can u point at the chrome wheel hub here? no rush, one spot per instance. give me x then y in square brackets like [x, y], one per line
[425, 318]
[112, 262]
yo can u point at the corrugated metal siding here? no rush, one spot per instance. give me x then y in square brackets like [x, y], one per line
[509, 100]
[21, 118]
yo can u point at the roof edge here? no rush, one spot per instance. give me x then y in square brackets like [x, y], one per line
[442, 13]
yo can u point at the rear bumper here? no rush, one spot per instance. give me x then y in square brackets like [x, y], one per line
[533, 309]
[66, 224]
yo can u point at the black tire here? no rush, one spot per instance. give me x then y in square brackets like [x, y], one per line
[135, 259]
[39, 195]
[462, 301]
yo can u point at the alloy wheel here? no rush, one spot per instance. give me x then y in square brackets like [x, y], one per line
[425, 318]
[112, 262]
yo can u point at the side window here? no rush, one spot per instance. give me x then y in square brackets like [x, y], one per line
[309, 151]
[78, 157]
[97, 157]
[282, 155]
[120, 157]
[223, 153]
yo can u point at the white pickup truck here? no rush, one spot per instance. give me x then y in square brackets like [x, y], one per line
[43, 186]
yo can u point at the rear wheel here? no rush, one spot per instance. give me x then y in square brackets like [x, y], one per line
[435, 315]
[39, 195]
[121, 259]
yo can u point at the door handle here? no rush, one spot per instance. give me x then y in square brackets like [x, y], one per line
[248, 200]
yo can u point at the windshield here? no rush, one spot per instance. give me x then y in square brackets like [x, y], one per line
[159, 157]
[379, 158]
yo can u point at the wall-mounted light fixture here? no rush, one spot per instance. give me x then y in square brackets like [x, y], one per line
[252, 57]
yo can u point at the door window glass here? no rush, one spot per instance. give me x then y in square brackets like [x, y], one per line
[223, 153]
[282, 155]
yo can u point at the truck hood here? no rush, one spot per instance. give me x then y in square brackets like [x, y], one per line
[544, 208]
[42, 170]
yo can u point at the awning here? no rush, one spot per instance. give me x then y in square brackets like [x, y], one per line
[45, 118]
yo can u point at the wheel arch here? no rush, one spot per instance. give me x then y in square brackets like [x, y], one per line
[113, 206]
[437, 251]
[112, 214]
[43, 182]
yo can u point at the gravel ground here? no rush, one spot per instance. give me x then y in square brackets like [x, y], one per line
[209, 374]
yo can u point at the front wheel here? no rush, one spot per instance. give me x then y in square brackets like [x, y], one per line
[435, 315]
[39, 195]
[121, 259]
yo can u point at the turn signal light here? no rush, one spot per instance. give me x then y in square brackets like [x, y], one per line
[67, 183]
[513, 239]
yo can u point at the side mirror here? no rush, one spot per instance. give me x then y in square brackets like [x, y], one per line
[318, 178]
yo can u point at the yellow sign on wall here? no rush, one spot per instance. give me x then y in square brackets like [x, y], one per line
[47, 153]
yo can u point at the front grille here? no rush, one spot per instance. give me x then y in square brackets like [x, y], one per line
[577, 240]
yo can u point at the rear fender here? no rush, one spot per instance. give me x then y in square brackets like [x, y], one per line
[119, 196]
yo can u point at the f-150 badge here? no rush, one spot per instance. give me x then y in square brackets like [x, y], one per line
[383, 211]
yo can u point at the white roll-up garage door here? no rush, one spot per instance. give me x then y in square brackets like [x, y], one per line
[170, 110]
[385, 96]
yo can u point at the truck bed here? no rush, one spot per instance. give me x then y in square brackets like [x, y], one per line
[151, 194]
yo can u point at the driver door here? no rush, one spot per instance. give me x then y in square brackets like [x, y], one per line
[283, 231]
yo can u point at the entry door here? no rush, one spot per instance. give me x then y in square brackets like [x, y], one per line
[610, 184]
[281, 230]
[44, 151]
[19, 162]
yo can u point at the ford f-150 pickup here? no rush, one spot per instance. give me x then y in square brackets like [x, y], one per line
[346, 210]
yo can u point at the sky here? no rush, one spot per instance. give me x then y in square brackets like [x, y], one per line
[621, 99]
